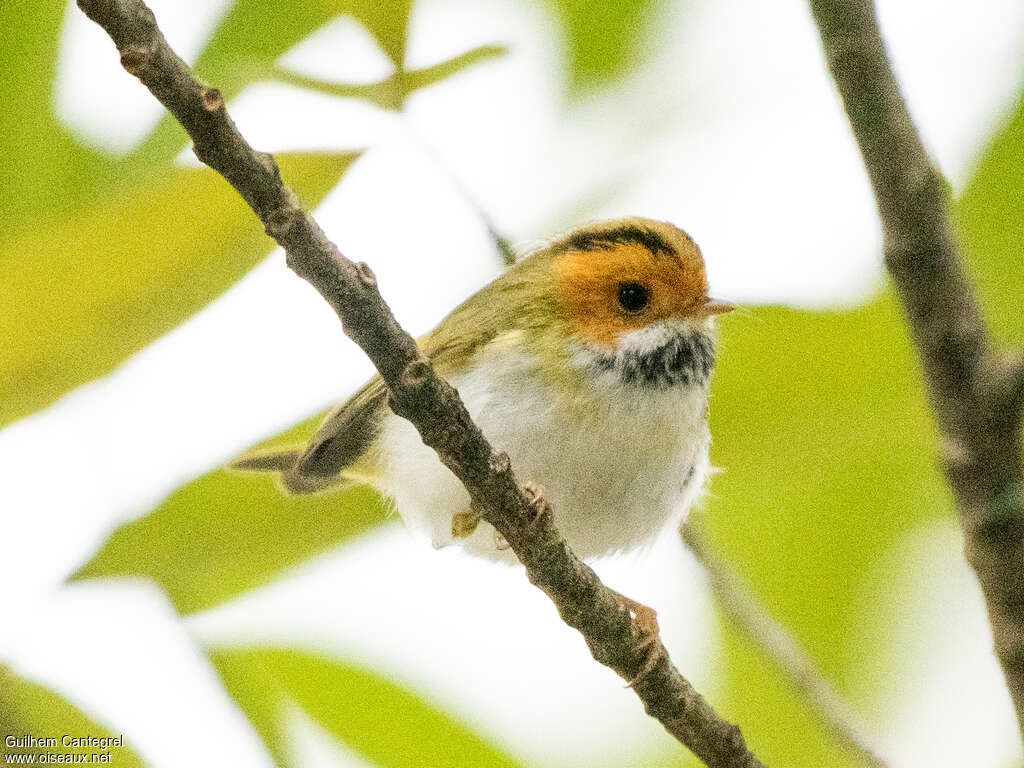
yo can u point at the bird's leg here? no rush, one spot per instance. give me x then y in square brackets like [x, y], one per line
[537, 502]
[464, 523]
[649, 640]
[535, 497]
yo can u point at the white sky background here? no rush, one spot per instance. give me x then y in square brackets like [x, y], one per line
[731, 130]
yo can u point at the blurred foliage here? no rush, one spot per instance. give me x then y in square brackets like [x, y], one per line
[991, 219]
[602, 38]
[226, 532]
[255, 33]
[30, 709]
[51, 171]
[382, 722]
[100, 225]
[820, 421]
[391, 92]
[126, 285]
[819, 417]
[822, 424]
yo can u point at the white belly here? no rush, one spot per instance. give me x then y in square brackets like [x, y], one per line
[616, 471]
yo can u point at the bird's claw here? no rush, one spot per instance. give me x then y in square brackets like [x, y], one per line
[535, 498]
[649, 640]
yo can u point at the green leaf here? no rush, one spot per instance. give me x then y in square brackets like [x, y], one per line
[992, 227]
[44, 168]
[258, 696]
[84, 291]
[255, 33]
[828, 450]
[391, 92]
[229, 532]
[602, 37]
[779, 726]
[259, 32]
[385, 723]
[99, 257]
[30, 709]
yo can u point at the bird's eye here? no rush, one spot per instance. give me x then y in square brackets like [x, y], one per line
[632, 296]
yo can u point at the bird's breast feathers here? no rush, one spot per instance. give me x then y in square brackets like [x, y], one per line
[618, 438]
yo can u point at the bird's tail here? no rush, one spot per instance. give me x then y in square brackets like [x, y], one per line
[278, 461]
[288, 465]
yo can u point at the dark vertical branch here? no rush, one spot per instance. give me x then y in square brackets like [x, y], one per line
[976, 393]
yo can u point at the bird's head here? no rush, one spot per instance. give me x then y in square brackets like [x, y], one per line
[635, 295]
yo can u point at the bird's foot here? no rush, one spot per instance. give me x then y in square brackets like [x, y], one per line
[649, 634]
[538, 504]
[464, 523]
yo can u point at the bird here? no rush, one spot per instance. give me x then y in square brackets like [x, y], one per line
[588, 362]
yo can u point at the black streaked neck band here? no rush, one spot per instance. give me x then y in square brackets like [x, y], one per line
[685, 360]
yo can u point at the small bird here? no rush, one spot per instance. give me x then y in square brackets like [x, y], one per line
[587, 362]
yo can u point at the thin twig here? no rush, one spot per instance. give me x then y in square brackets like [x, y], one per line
[750, 615]
[975, 395]
[615, 637]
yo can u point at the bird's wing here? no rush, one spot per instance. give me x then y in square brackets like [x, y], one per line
[344, 437]
[350, 430]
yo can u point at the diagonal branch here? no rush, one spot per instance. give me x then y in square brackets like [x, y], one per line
[976, 396]
[615, 637]
[740, 604]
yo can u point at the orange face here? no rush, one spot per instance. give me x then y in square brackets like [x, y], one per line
[624, 275]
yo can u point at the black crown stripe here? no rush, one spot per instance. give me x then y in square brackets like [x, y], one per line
[602, 240]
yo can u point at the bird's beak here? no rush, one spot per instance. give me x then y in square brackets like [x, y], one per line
[715, 306]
